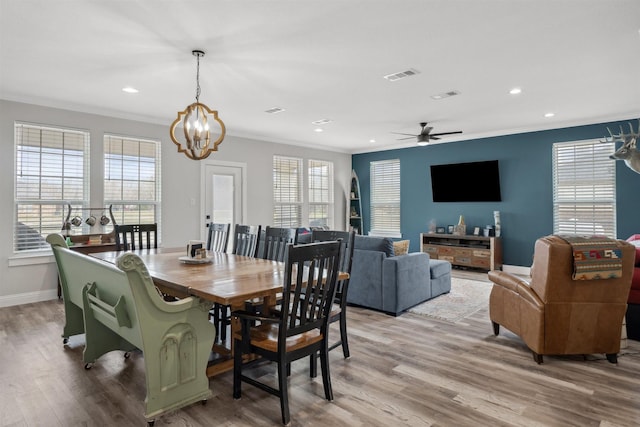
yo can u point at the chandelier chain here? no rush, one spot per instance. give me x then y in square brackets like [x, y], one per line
[198, 79]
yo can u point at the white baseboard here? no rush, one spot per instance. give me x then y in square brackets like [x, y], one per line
[517, 269]
[28, 297]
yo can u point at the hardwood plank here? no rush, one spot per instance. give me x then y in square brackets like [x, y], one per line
[407, 370]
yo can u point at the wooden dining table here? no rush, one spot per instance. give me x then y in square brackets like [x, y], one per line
[225, 278]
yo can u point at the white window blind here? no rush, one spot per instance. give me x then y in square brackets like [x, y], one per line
[132, 179]
[320, 175]
[287, 191]
[385, 198]
[584, 188]
[52, 170]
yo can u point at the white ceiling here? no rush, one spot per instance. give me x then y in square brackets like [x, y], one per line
[326, 60]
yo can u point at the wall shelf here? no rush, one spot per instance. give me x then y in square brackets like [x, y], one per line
[354, 214]
[98, 231]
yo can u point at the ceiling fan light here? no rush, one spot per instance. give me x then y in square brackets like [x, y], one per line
[423, 139]
[423, 143]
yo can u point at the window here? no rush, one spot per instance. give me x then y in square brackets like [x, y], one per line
[132, 179]
[385, 198]
[584, 188]
[52, 170]
[320, 193]
[287, 192]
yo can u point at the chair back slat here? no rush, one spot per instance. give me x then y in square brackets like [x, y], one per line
[136, 236]
[218, 237]
[275, 242]
[346, 256]
[310, 283]
[246, 239]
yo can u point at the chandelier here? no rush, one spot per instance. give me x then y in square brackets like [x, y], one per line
[191, 130]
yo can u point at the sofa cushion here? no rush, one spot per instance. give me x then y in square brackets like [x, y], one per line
[439, 268]
[370, 243]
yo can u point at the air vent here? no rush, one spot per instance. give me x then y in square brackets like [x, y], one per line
[274, 110]
[401, 75]
[445, 94]
[321, 122]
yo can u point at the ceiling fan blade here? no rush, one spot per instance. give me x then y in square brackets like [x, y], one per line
[426, 130]
[444, 133]
[433, 137]
[409, 134]
[402, 139]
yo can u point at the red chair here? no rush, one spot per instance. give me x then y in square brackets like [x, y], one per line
[633, 307]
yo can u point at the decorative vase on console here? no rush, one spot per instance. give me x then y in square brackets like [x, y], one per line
[496, 219]
[461, 228]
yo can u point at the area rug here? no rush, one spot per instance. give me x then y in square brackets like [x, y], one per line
[465, 298]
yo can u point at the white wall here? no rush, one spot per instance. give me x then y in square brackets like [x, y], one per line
[34, 279]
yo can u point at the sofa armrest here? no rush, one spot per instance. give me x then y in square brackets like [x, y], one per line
[406, 281]
[365, 282]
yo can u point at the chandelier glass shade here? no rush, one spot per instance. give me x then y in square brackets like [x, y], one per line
[191, 130]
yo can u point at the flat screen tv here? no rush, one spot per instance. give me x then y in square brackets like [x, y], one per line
[466, 182]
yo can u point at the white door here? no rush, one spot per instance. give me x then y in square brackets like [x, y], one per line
[223, 194]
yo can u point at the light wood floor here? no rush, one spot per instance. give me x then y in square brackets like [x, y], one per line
[409, 370]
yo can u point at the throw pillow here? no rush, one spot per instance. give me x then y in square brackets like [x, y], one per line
[401, 247]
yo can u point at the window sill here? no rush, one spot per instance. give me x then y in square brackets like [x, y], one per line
[31, 259]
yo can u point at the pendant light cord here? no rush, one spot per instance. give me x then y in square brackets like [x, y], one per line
[198, 79]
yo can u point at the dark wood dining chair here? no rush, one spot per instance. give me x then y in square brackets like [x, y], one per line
[245, 242]
[339, 309]
[273, 246]
[217, 237]
[298, 329]
[136, 236]
[246, 239]
[276, 240]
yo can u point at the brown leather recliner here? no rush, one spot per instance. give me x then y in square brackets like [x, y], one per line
[554, 314]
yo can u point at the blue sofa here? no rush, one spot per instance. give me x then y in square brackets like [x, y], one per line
[392, 284]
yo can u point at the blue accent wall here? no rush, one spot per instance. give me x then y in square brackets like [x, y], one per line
[526, 209]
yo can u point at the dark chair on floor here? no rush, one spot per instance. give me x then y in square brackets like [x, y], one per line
[217, 241]
[273, 246]
[339, 309]
[275, 242]
[245, 242]
[298, 329]
[136, 236]
[246, 239]
[217, 237]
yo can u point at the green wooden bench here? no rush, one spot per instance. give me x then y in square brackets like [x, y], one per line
[119, 308]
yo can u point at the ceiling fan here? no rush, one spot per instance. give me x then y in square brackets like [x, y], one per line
[425, 134]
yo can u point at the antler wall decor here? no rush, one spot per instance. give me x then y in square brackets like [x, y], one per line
[629, 151]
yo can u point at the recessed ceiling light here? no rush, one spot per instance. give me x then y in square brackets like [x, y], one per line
[130, 89]
[318, 129]
[549, 115]
[515, 91]
[372, 141]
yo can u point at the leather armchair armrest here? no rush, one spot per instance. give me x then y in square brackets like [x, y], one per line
[515, 284]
